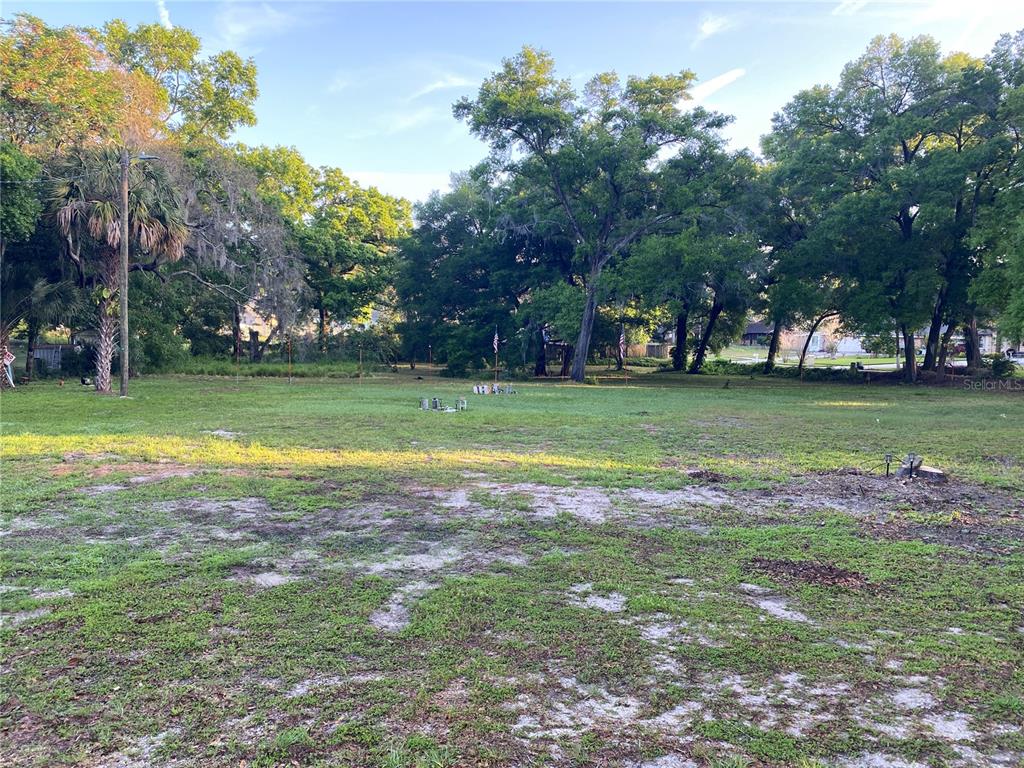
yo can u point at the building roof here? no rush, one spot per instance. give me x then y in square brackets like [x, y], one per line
[757, 327]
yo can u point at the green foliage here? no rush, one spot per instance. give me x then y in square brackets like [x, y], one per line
[346, 234]
[1002, 367]
[20, 192]
[206, 366]
[205, 97]
[590, 160]
[882, 344]
[56, 89]
[466, 271]
[884, 176]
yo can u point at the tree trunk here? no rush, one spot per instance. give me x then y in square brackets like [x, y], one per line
[582, 348]
[255, 351]
[236, 331]
[567, 358]
[108, 324]
[807, 342]
[773, 346]
[540, 368]
[931, 350]
[944, 349]
[30, 348]
[909, 355]
[322, 326]
[679, 353]
[105, 346]
[702, 347]
[973, 344]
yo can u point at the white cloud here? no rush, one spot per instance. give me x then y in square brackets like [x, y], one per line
[849, 7]
[405, 120]
[412, 186]
[240, 25]
[165, 16]
[394, 122]
[339, 83]
[443, 83]
[705, 89]
[711, 25]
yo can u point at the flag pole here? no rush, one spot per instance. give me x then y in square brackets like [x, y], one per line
[495, 355]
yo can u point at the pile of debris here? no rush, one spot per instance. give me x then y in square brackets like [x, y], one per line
[914, 468]
[437, 404]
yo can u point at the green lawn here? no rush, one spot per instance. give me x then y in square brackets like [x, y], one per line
[673, 573]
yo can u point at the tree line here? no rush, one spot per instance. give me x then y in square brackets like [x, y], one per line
[890, 202]
[216, 229]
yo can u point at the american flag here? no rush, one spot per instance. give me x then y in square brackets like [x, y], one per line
[495, 339]
[622, 342]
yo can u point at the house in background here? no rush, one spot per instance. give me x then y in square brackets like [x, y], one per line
[828, 338]
[756, 333]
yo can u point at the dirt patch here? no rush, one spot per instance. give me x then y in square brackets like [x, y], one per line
[813, 573]
[879, 760]
[683, 497]
[666, 761]
[269, 578]
[22, 617]
[224, 434]
[437, 558]
[584, 595]
[142, 754]
[319, 683]
[143, 471]
[887, 507]
[573, 708]
[395, 615]
[913, 698]
[774, 605]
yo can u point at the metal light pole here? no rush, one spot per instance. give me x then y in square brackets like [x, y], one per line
[125, 161]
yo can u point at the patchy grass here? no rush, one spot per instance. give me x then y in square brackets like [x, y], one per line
[321, 574]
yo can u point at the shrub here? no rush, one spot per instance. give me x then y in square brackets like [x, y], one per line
[648, 362]
[722, 366]
[200, 366]
[1002, 367]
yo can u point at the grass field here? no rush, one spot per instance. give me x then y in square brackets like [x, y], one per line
[667, 575]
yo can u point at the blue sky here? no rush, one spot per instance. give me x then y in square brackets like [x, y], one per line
[368, 87]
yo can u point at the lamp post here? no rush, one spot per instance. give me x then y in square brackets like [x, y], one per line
[125, 162]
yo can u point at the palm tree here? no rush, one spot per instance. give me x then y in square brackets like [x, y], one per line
[85, 199]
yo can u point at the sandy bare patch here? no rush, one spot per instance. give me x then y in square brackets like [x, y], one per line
[573, 708]
[583, 595]
[21, 617]
[435, 559]
[225, 434]
[268, 578]
[913, 698]
[951, 726]
[102, 488]
[879, 760]
[318, 683]
[684, 497]
[142, 754]
[395, 615]
[666, 761]
[773, 605]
